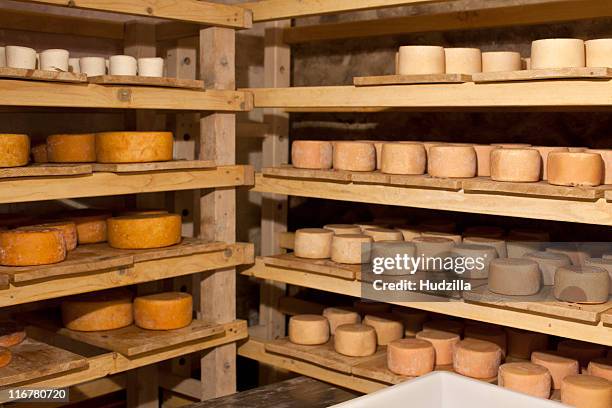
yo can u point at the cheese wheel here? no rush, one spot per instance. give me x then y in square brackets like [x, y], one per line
[11, 334]
[557, 53]
[378, 148]
[558, 366]
[5, 357]
[544, 152]
[411, 357]
[581, 284]
[511, 145]
[337, 316]
[387, 329]
[443, 344]
[163, 311]
[412, 319]
[516, 165]
[600, 367]
[475, 260]
[90, 224]
[365, 307]
[528, 378]
[354, 156]
[39, 154]
[432, 251]
[134, 147]
[576, 255]
[75, 148]
[445, 325]
[548, 262]
[463, 60]
[351, 248]
[598, 53]
[355, 340]
[575, 169]
[451, 161]
[311, 154]
[308, 329]
[438, 225]
[96, 311]
[144, 231]
[603, 264]
[382, 250]
[487, 332]
[68, 230]
[586, 391]
[606, 156]
[500, 61]
[31, 246]
[421, 60]
[522, 343]
[514, 276]
[581, 351]
[14, 150]
[477, 358]
[403, 158]
[456, 238]
[483, 159]
[384, 234]
[313, 243]
[340, 229]
[498, 244]
[485, 231]
[518, 249]
[409, 233]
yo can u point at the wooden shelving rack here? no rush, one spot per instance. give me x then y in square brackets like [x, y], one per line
[203, 265]
[276, 180]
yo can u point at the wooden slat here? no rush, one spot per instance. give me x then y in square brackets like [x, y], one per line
[46, 170]
[155, 166]
[539, 189]
[322, 266]
[40, 75]
[411, 79]
[606, 317]
[544, 74]
[163, 82]
[188, 246]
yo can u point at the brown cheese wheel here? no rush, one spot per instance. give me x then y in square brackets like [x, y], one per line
[354, 156]
[477, 358]
[32, 246]
[387, 329]
[581, 284]
[355, 340]
[68, 230]
[575, 169]
[443, 343]
[11, 334]
[134, 147]
[586, 391]
[14, 150]
[351, 248]
[600, 367]
[337, 316]
[76, 148]
[403, 158]
[411, 357]
[581, 351]
[522, 343]
[144, 231]
[339, 229]
[558, 366]
[308, 329]
[5, 357]
[163, 311]
[313, 243]
[516, 165]
[107, 310]
[527, 378]
[544, 152]
[311, 154]
[39, 154]
[514, 276]
[451, 161]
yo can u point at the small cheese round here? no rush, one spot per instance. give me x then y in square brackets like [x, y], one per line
[144, 231]
[90, 224]
[606, 156]
[581, 351]
[337, 316]
[600, 367]
[477, 358]
[558, 366]
[308, 329]
[311, 154]
[351, 248]
[68, 230]
[557, 53]
[516, 165]
[548, 262]
[487, 332]
[384, 234]
[39, 154]
[598, 52]
[498, 244]
[443, 343]
[134, 147]
[409, 233]
[5, 356]
[313, 243]
[30, 246]
[394, 250]
[340, 229]
[451, 161]
[485, 231]
[544, 152]
[581, 284]
[387, 329]
[421, 60]
[163, 311]
[445, 325]
[355, 340]
[514, 276]
[501, 61]
[432, 251]
[354, 156]
[483, 159]
[602, 263]
[475, 260]
[96, 311]
[528, 378]
[411, 357]
[522, 343]
[575, 169]
[14, 150]
[403, 158]
[586, 391]
[412, 319]
[71, 148]
[11, 334]
[463, 60]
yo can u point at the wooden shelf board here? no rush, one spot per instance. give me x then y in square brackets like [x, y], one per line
[411, 79]
[538, 189]
[606, 317]
[46, 170]
[163, 82]
[321, 266]
[544, 74]
[155, 166]
[40, 75]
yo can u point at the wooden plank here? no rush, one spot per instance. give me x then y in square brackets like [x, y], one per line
[411, 79]
[376, 369]
[539, 189]
[155, 166]
[606, 317]
[321, 266]
[163, 82]
[290, 171]
[46, 170]
[544, 74]
[33, 360]
[407, 180]
[188, 246]
[40, 75]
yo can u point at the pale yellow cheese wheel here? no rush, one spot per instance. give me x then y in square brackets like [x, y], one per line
[557, 53]
[443, 342]
[311, 154]
[581, 284]
[337, 316]
[39, 154]
[558, 366]
[521, 343]
[308, 329]
[598, 52]
[451, 161]
[313, 243]
[477, 358]
[403, 158]
[384, 234]
[354, 156]
[351, 248]
[410, 357]
[339, 229]
[134, 147]
[483, 159]
[517, 165]
[463, 60]
[421, 60]
[30, 246]
[96, 311]
[355, 340]
[586, 391]
[575, 169]
[14, 150]
[163, 311]
[528, 378]
[387, 328]
[544, 152]
[606, 156]
[501, 61]
[144, 231]
[514, 276]
[71, 148]
[548, 262]
[498, 244]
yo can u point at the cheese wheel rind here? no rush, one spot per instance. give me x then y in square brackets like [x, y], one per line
[134, 147]
[558, 366]
[39, 154]
[403, 158]
[516, 165]
[477, 358]
[500, 61]
[354, 156]
[586, 391]
[313, 243]
[30, 246]
[311, 154]
[386, 327]
[598, 52]
[463, 60]
[71, 148]
[14, 150]
[5, 356]
[548, 262]
[514, 276]
[144, 231]
[107, 310]
[443, 344]
[557, 53]
[600, 367]
[68, 230]
[308, 329]
[527, 378]
[581, 284]
[163, 311]
[337, 316]
[351, 248]
[410, 357]
[421, 60]
[340, 229]
[11, 334]
[355, 340]
[575, 169]
[451, 161]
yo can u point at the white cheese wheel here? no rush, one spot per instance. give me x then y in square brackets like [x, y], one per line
[602, 263]
[518, 249]
[387, 328]
[575, 169]
[600, 367]
[71, 148]
[606, 156]
[31, 246]
[412, 319]
[14, 150]
[463, 60]
[384, 234]
[354, 156]
[393, 250]
[598, 52]
[521, 343]
[311, 154]
[134, 147]
[432, 251]
[308, 329]
[477, 358]
[337, 316]
[501, 61]
[163, 311]
[313, 243]
[411, 357]
[476, 259]
[581, 351]
[339, 229]
[557, 53]
[576, 255]
[527, 378]
[355, 340]
[96, 311]
[558, 366]
[544, 152]
[445, 325]
[548, 262]
[451, 161]
[456, 238]
[144, 231]
[498, 244]
[443, 343]
[586, 391]
[485, 231]
[487, 332]
[403, 158]
[483, 159]
[351, 248]
[365, 307]
[409, 232]
[514, 276]
[516, 165]
[421, 60]
[582, 284]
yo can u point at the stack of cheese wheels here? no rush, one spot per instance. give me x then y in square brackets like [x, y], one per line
[411, 357]
[355, 340]
[14, 150]
[163, 311]
[476, 259]
[106, 310]
[11, 334]
[514, 276]
[133, 147]
[500, 61]
[337, 316]
[421, 60]
[365, 307]
[313, 243]
[522, 343]
[544, 152]
[600, 367]
[451, 161]
[71, 148]
[558, 366]
[581, 351]
[575, 169]
[548, 262]
[412, 319]
[39, 154]
[90, 224]
[477, 358]
[308, 329]
[311, 154]
[463, 60]
[351, 248]
[602, 263]
[498, 244]
[483, 159]
[383, 234]
[586, 391]
[576, 255]
[68, 230]
[487, 332]
[445, 325]
[486, 231]
[517, 165]
[606, 156]
[386, 326]
[409, 233]
[598, 52]
[144, 231]
[443, 343]
[431, 252]
[456, 238]
[403, 158]
[581, 284]
[354, 156]
[383, 250]
[557, 53]
[30, 246]
[527, 378]
[339, 229]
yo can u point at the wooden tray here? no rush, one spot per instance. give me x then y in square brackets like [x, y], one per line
[320, 266]
[187, 246]
[46, 170]
[411, 79]
[40, 75]
[155, 166]
[538, 189]
[33, 360]
[543, 74]
[164, 82]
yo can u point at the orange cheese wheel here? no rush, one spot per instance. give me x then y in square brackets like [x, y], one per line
[339, 229]
[68, 230]
[581, 351]
[11, 334]
[134, 147]
[31, 246]
[365, 307]
[39, 154]
[516, 165]
[558, 366]
[144, 231]
[487, 332]
[606, 156]
[451, 161]
[586, 391]
[354, 156]
[411, 357]
[403, 158]
[387, 329]
[522, 343]
[483, 159]
[75, 148]
[5, 356]
[355, 340]
[412, 319]
[581, 284]
[311, 154]
[575, 169]
[514, 276]
[450, 326]
[477, 358]
[383, 234]
[308, 329]
[14, 150]
[443, 343]
[337, 316]
[351, 248]
[96, 311]
[163, 311]
[90, 224]
[313, 243]
[528, 378]
[544, 152]
[600, 367]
